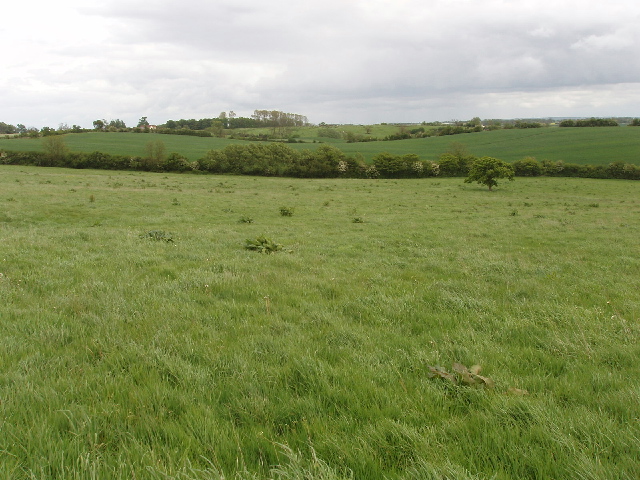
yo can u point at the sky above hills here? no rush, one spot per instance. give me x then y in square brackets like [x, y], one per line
[335, 61]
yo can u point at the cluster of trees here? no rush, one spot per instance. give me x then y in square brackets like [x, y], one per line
[279, 122]
[276, 118]
[259, 119]
[188, 124]
[6, 128]
[116, 125]
[21, 131]
[590, 122]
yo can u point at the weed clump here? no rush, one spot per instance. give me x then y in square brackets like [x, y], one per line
[158, 236]
[263, 244]
[286, 211]
[461, 375]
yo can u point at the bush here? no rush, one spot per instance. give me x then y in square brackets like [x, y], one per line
[527, 167]
[177, 163]
[521, 124]
[623, 170]
[402, 166]
[391, 166]
[455, 165]
[55, 150]
[328, 132]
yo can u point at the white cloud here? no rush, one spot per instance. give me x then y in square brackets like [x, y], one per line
[337, 60]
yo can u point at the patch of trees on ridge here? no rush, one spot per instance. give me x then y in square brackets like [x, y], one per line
[274, 119]
[593, 122]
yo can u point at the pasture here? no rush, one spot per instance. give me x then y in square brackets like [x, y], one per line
[594, 145]
[140, 339]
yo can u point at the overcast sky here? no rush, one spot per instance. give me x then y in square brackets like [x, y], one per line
[335, 61]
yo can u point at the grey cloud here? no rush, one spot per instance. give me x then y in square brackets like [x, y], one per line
[354, 58]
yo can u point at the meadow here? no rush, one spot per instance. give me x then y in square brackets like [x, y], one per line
[589, 145]
[140, 339]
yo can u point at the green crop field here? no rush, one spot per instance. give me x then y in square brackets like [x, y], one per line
[123, 143]
[596, 145]
[141, 339]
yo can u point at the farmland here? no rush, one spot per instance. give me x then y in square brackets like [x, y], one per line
[597, 145]
[142, 340]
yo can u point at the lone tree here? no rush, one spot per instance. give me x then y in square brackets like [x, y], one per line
[487, 171]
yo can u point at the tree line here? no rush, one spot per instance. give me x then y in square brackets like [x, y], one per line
[279, 159]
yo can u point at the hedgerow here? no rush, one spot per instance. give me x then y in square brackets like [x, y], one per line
[279, 159]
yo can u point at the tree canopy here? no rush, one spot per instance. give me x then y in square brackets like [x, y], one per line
[487, 171]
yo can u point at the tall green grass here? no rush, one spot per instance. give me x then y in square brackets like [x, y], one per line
[126, 357]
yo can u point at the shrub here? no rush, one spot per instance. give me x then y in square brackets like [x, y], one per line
[176, 163]
[623, 170]
[328, 132]
[455, 165]
[521, 124]
[551, 168]
[401, 166]
[55, 149]
[155, 156]
[527, 167]
[389, 165]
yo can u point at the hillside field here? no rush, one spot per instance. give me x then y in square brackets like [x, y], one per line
[140, 339]
[595, 145]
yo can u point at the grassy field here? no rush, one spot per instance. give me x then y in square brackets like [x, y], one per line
[179, 354]
[597, 146]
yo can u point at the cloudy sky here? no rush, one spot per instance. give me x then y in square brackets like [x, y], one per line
[337, 61]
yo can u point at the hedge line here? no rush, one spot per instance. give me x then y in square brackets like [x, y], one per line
[278, 159]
